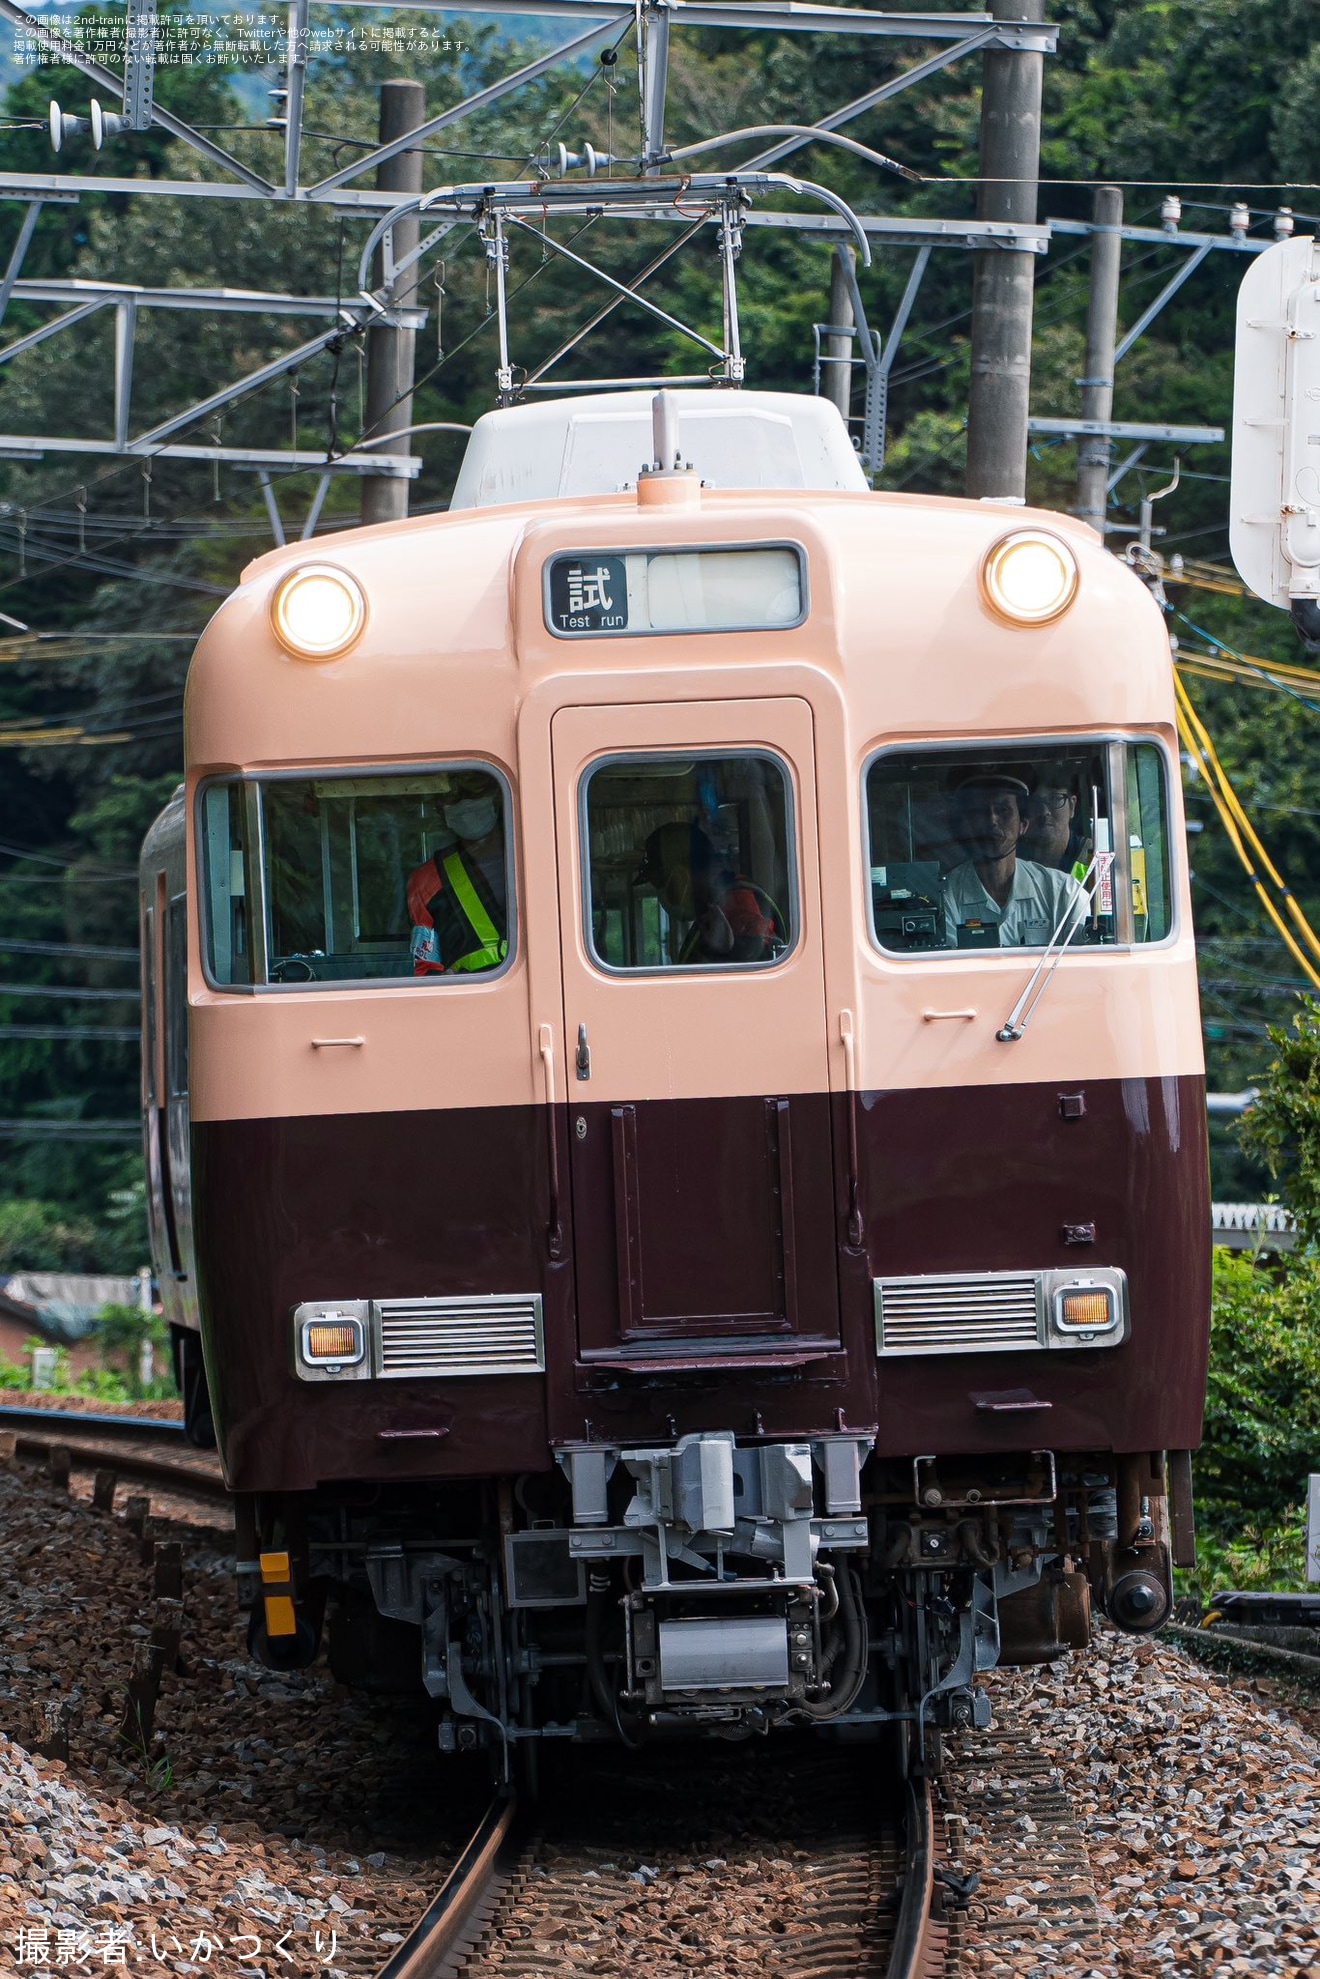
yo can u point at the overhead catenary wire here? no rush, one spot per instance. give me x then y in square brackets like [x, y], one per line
[1224, 783]
[70, 993]
[69, 1034]
[14, 945]
[1201, 749]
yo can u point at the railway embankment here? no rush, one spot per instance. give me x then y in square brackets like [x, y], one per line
[1195, 1795]
[264, 1810]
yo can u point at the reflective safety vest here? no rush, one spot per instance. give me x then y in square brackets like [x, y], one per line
[494, 946]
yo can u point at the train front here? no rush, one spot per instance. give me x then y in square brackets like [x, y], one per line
[698, 1161]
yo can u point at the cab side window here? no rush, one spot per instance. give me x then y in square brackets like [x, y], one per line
[358, 879]
[1019, 847]
[689, 863]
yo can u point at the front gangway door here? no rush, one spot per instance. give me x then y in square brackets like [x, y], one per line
[695, 1063]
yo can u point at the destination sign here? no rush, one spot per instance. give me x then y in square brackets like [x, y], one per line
[594, 594]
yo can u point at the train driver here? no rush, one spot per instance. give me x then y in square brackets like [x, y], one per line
[1052, 837]
[458, 901]
[732, 919]
[994, 892]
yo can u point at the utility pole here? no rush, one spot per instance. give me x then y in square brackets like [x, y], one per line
[837, 382]
[1101, 336]
[1003, 282]
[390, 351]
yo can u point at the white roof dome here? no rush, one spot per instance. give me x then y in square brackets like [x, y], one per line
[595, 446]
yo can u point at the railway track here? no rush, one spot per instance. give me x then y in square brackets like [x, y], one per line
[99, 1443]
[533, 1894]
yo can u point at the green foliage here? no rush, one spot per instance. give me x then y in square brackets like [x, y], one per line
[1262, 1420]
[1283, 1126]
[42, 1236]
[121, 1334]
[105, 1384]
[1268, 1558]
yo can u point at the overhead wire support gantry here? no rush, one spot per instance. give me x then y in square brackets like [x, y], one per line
[342, 192]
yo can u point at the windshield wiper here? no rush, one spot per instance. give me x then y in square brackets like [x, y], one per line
[1020, 1015]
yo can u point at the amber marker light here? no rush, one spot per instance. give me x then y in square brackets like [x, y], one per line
[1029, 577]
[332, 1341]
[318, 611]
[1087, 1309]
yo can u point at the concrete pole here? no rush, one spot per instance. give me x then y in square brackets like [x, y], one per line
[1003, 280]
[836, 383]
[390, 351]
[1101, 336]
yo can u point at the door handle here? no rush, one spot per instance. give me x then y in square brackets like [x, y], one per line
[583, 1059]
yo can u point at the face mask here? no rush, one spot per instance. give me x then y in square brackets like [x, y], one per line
[472, 817]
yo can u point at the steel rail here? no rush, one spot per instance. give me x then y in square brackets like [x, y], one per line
[87, 1420]
[447, 1930]
[188, 1478]
[919, 1936]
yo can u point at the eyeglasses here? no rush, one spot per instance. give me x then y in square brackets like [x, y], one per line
[1041, 800]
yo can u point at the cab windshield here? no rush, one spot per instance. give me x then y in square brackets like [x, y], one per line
[1018, 847]
[353, 879]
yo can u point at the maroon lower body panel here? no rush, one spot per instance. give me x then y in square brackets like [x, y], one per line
[1007, 1178]
[365, 1206]
[666, 1204]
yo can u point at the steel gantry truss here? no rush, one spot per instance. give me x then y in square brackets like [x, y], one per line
[724, 202]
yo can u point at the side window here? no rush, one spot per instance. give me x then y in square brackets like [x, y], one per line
[224, 861]
[1019, 847]
[176, 997]
[1148, 843]
[689, 862]
[358, 879]
[149, 1036]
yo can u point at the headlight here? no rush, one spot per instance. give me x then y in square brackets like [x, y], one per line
[318, 611]
[1029, 577]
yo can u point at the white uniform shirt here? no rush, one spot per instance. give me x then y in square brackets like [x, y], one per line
[1035, 906]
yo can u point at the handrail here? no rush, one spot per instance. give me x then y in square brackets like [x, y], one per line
[545, 1044]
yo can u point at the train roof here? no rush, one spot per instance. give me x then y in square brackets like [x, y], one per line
[574, 447]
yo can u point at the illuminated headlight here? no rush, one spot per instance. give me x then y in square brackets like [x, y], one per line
[1086, 1309]
[318, 611]
[1029, 577]
[335, 1341]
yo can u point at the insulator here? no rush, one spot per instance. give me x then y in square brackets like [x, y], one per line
[1283, 223]
[1170, 210]
[63, 126]
[105, 123]
[589, 156]
[1239, 219]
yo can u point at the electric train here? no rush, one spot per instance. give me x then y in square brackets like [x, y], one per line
[673, 1087]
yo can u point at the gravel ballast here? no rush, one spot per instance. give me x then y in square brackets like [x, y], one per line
[1198, 1800]
[265, 1808]
[1179, 1808]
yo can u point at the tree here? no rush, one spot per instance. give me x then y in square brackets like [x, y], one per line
[1284, 1124]
[122, 1333]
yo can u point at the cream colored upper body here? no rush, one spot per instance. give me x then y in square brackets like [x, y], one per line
[898, 647]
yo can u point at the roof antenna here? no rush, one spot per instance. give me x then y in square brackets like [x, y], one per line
[664, 434]
[668, 481]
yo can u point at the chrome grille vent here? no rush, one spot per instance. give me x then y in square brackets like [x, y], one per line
[426, 1337]
[986, 1313]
